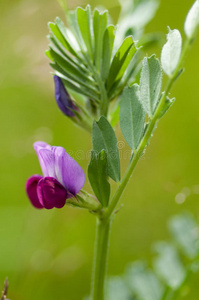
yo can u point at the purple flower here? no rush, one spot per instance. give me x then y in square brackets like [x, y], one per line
[62, 178]
[63, 99]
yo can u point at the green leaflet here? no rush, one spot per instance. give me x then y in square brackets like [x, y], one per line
[121, 61]
[84, 83]
[77, 87]
[97, 174]
[143, 282]
[118, 289]
[103, 137]
[83, 20]
[114, 114]
[132, 116]
[131, 72]
[99, 26]
[108, 41]
[62, 39]
[47, 52]
[150, 84]
[57, 45]
[183, 228]
[67, 65]
[171, 52]
[168, 265]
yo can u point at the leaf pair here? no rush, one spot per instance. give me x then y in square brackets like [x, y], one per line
[105, 160]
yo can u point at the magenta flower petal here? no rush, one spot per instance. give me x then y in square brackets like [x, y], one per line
[51, 193]
[31, 190]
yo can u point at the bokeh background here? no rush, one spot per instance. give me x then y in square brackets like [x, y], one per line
[48, 254]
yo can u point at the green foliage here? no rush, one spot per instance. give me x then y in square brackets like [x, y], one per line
[97, 174]
[108, 41]
[132, 116]
[171, 52]
[170, 270]
[84, 26]
[120, 63]
[100, 30]
[84, 58]
[104, 138]
[118, 289]
[143, 282]
[135, 16]
[168, 265]
[168, 103]
[184, 230]
[150, 84]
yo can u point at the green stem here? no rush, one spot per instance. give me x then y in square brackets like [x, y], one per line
[100, 258]
[103, 223]
[145, 140]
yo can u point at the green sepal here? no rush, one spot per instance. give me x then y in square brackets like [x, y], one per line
[84, 200]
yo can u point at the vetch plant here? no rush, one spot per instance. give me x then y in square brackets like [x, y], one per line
[99, 84]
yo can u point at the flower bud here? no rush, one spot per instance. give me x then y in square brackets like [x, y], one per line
[63, 99]
[77, 114]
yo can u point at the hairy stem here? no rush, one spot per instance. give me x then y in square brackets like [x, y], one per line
[100, 258]
[145, 140]
[103, 223]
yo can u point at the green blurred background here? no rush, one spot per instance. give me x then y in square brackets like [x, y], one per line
[48, 254]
